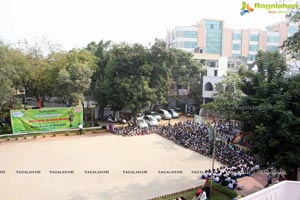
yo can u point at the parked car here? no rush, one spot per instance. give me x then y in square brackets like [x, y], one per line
[178, 110]
[173, 113]
[140, 115]
[151, 121]
[154, 114]
[141, 123]
[164, 114]
[110, 119]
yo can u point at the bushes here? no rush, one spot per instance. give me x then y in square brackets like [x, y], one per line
[225, 190]
[6, 129]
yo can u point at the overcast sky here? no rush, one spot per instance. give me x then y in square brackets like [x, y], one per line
[75, 23]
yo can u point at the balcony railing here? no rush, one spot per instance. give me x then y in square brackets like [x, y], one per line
[285, 190]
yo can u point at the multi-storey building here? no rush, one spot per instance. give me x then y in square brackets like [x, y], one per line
[211, 37]
[222, 50]
[216, 67]
[183, 37]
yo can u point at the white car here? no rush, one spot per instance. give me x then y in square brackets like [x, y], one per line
[164, 114]
[141, 123]
[151, 121]
[173, 113]
[154, 114]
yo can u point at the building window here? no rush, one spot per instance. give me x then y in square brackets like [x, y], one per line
[236, 46]
[292, 29]
[198, 50]
[189, 44]
[273, 39]
[208, 87]
[254, 37]
[234, 55]
[211, 64]
[253, 47]
[251, 57]
[213, 24]
[272, 48]
[214, 41]
[216, 72]
[236, 36]
[230, 65]
[190, 34]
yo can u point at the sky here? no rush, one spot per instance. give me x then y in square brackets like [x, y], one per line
[75, 23]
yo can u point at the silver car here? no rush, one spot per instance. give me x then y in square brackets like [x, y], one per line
[151, 121]
[164, 114]
[141, 123]
[173, 113]
[154, 114]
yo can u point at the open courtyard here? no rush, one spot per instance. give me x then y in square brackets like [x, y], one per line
[97, 167]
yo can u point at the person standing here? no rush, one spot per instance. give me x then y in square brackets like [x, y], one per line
[71, 116]
[200, 195]
[269, 179]
[80, 126]
[280, 178]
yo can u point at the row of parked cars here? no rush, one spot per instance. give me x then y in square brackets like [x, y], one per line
[152, 118]
[163, 114]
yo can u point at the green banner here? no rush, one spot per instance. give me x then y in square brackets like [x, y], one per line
[45, 119]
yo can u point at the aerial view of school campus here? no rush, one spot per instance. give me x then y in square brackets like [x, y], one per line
[149, 100]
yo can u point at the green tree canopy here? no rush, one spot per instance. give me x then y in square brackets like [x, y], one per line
[98, 87]
[272, 112]
[227, 96]
[128, 75]
[75, 77]
[7, 74]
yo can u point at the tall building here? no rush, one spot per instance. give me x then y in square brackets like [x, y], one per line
[211, 37]
[184, 37]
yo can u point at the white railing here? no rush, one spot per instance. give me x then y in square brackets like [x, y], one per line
[285, 190]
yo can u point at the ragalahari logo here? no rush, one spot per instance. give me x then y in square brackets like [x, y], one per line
[246, 8]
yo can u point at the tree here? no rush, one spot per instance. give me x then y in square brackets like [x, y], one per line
[196, 82]
[75, 77]
[101, 52]
[57, 61]
[161, 61]
[188, 74]
[292, 45]
[7, 75]
[23, 73]
[272, 112]
[227, 96]
[182, 70]
[32, 67]
[127, 79]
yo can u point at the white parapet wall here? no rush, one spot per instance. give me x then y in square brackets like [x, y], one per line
[285, 190]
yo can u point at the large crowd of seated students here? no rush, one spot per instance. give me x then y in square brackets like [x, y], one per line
[198, 137]
[133, 131]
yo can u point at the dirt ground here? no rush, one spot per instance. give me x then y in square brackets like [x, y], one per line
[98, 167]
